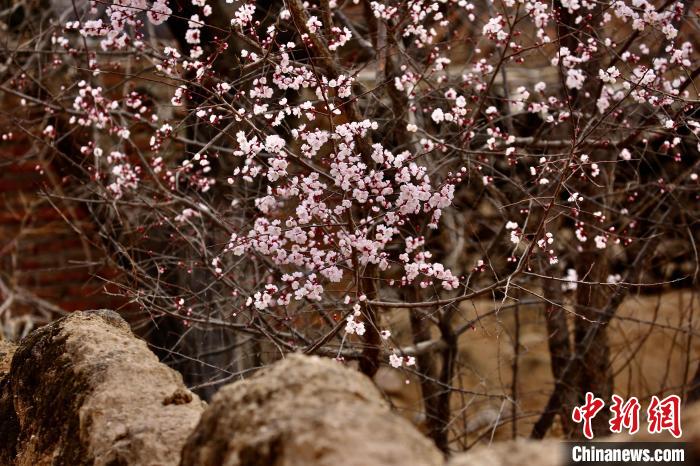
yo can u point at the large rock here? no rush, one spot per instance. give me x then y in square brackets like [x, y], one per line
[305, 411]
[7, 349]
[514, 453]
[8, 420]
[85, 391]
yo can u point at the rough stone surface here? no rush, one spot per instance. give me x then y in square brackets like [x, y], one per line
[8, 421]
[85, 391]
[305, 411]
[7, 349]
[513, 453]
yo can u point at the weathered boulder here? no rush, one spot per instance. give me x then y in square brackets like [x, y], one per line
[8, 421]
[305, 411]
[513, 453]
[7, 349]
[85, 391]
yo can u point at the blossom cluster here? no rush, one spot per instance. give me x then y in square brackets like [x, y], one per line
[332, 179]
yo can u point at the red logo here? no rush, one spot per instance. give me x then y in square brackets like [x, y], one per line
[587, 412]
[625, 415]
[662, 415]
[665, 415]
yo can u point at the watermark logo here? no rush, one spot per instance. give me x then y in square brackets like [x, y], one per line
[586, 412]
[628, 453]
[662, 415]
[625, 415]
[665, 415]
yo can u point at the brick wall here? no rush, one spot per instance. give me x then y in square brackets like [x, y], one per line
[48, 258]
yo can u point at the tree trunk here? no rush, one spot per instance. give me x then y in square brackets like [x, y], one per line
[593, 352]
